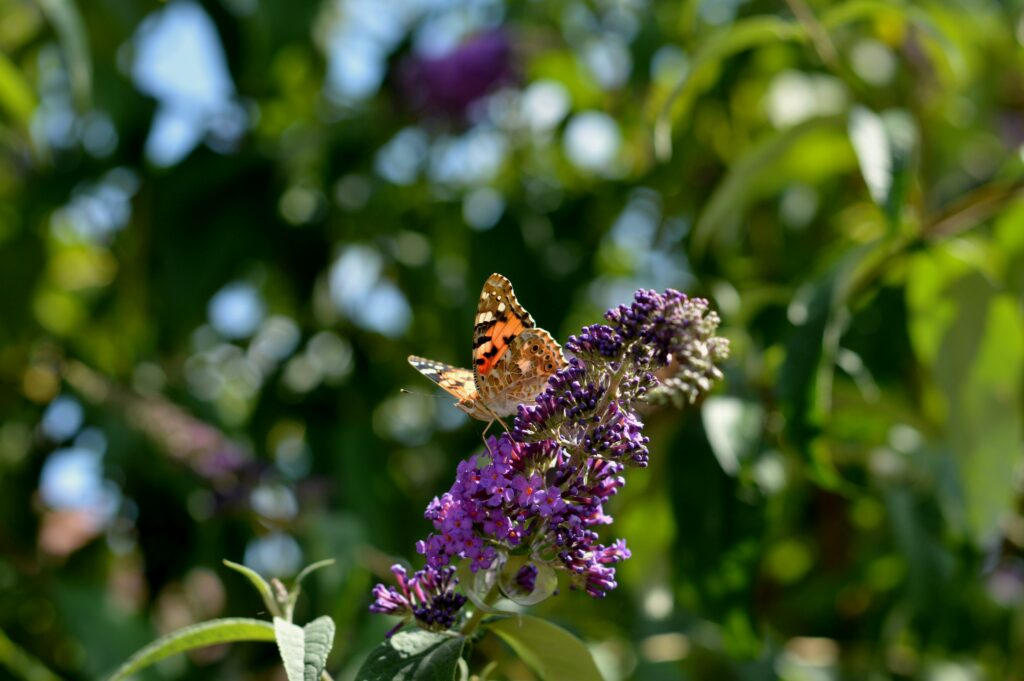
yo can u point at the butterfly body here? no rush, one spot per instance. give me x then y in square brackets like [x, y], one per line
[512, 359]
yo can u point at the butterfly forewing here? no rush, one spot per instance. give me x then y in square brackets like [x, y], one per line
[499, 320]
[458, 382]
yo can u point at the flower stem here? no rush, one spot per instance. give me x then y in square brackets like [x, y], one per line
[473, 622]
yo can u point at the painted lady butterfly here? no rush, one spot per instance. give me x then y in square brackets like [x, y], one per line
[512, 358]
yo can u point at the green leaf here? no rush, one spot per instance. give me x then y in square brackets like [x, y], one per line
[969, 336]
[945, 55]
[196, 636]
[819, 312]
[311, 568]
[293, 595]
[552, 652]
[67, 23]
[414, 656]
[21, 664]
[871, 143]
[884, 145]
[319, 637]
[304, 650]
[733, 427]
[733, 39]
[291, 643]
[16, 95]
[261, 586]
[808, 150]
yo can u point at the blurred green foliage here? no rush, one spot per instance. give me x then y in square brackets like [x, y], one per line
[223, 227]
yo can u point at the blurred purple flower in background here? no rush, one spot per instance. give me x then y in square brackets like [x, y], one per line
[448, 85]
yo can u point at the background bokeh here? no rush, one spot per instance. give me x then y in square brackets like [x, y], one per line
[224, 225]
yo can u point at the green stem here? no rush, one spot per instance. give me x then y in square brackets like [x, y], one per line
[613, 384]
[474, 620]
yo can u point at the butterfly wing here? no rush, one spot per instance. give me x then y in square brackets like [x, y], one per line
[499, 320]
[455, 381]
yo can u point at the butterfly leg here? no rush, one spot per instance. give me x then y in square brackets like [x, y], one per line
[483, 436]
[494, 417]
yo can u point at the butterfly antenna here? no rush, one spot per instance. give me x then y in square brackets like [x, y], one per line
[419, 394]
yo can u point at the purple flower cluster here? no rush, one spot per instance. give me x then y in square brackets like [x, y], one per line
[540, 490]
[527, 497]
[427, 596]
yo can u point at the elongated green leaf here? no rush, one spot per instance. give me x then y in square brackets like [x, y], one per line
[296, 591]
[969, 336]
[261, 586]
[197, 636]
[311, 568]
[304, 650]
[765, 168]
[552, 652]
[16, 95]
[319, 638]
[291, 643]
[70, 29]
[884, 146]
[870, 141]
[819, 311]
[737, 37]
[414, 656]
[21, 664]
[946, 55]
[734, 429]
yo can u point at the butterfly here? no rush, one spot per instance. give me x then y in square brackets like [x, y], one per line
[512, 358]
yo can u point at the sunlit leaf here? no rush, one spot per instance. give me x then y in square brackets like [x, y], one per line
[16, 95]
[195, 636]
[734, 429]
[884, 146]
[970, 336]
[552, 652]
[987, 421]
[304, 650]
[874, 152]
[291, 643]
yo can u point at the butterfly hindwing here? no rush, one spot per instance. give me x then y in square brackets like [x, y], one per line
[521, 373]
